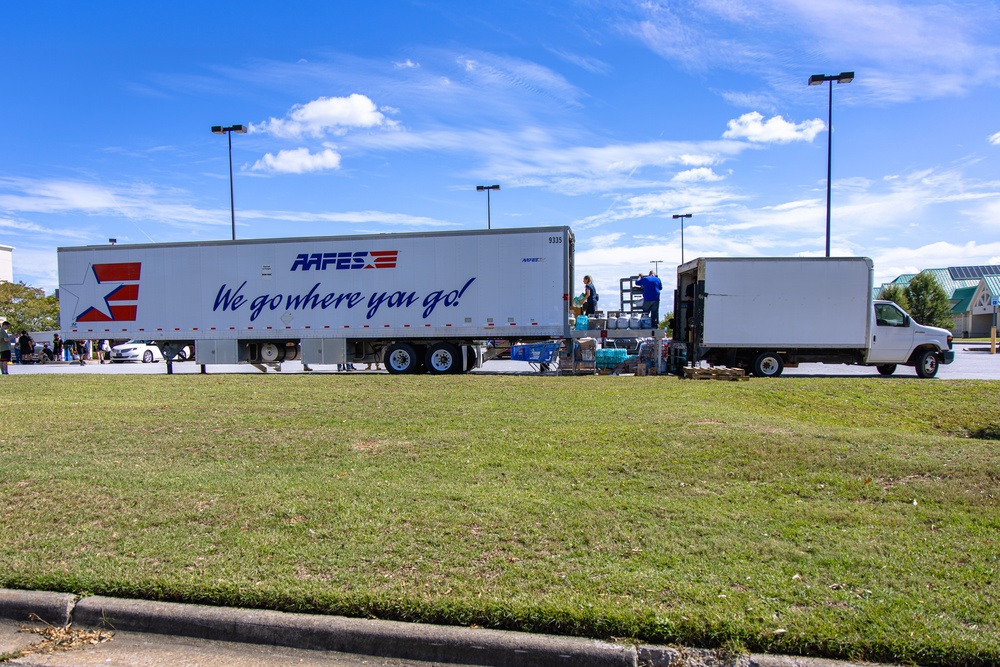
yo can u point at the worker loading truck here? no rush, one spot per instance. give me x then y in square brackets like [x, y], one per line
[417, 302]
[766, 314]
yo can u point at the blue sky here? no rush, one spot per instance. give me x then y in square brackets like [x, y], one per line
[608, 117]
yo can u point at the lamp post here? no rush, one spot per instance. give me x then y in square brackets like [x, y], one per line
[480, 188]
[228, 131]
[815, 80]
[656, 265]
[681, 217]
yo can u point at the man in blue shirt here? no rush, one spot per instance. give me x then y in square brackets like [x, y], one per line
[651, 287]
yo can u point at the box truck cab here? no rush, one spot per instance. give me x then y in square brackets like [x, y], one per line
[897, 339]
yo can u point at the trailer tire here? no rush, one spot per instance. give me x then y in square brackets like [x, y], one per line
[471, 357]
[291, 352]
[271, 352]
[927, 365]
[401, 359]
[886, 369]
[442, 358]
[768, 365]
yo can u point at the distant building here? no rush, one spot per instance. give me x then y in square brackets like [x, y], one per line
[970, 290]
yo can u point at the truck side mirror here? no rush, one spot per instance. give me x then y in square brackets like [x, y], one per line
[906, 321]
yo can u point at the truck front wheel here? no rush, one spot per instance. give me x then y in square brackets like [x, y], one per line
[401, 359]
[927, 365]
[768, 365]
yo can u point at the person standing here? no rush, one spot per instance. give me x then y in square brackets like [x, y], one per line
[6, 338]
[27, 345]
[651, 288]
[57, 346]
[590, 298]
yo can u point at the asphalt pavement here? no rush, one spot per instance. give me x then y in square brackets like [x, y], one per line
[973, 361]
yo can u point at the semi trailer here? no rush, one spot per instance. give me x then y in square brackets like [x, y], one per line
[417, 302]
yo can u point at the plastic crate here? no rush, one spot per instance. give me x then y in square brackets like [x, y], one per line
[610, 357]
[539, 353]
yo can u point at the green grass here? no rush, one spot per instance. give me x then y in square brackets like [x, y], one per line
[847, 518]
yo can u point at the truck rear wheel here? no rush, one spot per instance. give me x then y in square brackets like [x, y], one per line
[927, 365]
[886, 369]
[401, 359]
[443, 358]
[768, 365]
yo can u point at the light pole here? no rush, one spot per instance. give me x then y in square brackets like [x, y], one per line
[815, 80]
[681, 216]
[228, 131]
[480, 188]
[656, 265]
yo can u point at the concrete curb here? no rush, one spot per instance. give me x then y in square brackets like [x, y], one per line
[387, 639]
[52, 608]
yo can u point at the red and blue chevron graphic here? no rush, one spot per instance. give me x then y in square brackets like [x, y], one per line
[120, 301]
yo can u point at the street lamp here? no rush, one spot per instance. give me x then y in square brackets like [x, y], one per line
[815, 80]
[681, 216]
[480, 188]
[656, 265]
[239, 129]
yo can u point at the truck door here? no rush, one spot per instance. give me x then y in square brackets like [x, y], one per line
[892, 335]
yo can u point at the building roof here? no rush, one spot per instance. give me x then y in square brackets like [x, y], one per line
[943, 276]
[992, 284]
[963, 298]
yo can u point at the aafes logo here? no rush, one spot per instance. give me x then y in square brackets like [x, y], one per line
[341, 261]
[120, 303]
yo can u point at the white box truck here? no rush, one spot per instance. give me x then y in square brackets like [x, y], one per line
[763, 314]
[413, 301]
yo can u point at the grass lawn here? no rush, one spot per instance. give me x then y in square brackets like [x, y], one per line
[849, 518]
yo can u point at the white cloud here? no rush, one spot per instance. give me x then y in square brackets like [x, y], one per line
[326, 115]
[753, 127]
[700, 174]
[995, 139]
[942, 49]
[406, 64]
[298, 161]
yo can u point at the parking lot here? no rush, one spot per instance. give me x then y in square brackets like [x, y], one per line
[973, 361]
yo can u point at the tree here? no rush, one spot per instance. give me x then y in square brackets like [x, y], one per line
[27, 308]
[897, 295]
[929, 302]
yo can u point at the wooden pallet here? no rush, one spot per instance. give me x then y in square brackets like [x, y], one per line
[721, 373]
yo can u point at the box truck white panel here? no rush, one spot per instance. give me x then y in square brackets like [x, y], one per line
[449, 285]
[789, 302]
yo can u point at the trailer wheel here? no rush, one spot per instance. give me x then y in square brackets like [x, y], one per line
[401, 359]
[471, 357]
[768, 365]
[886, 369]
[269, 352]
[927, 365]
[291, 352]
[443, 358]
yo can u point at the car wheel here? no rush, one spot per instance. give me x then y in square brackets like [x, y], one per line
[147, 357]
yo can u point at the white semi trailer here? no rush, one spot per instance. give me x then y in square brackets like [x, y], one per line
[414, 301]
[763, 314]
